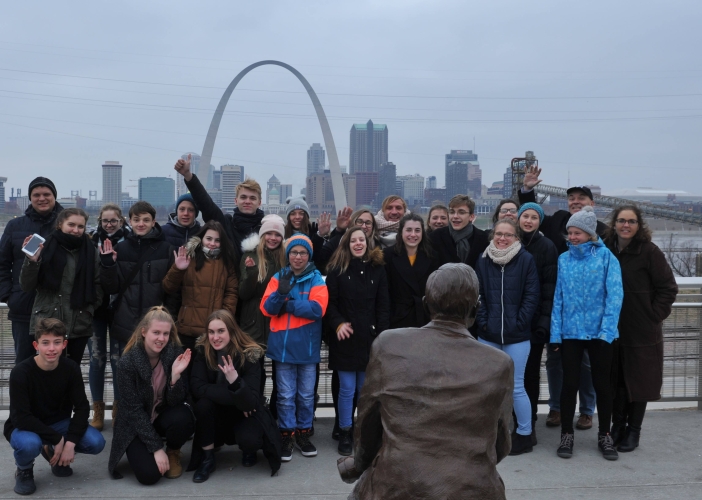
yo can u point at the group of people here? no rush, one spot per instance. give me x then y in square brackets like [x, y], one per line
[190, 311]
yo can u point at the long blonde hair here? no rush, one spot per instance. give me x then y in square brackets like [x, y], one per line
[156, 313]
[239, 342]
[278, 257]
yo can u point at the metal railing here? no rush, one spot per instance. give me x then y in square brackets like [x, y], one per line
[682, 363]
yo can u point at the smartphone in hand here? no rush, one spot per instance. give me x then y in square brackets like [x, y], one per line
[33, 245]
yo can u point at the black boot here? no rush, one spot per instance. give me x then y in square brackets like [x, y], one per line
[619, 415]
[533, 432]
[630, 442]
[206, 468]
[637, 409]
[24, 481]
[345, 442]
[521, 444]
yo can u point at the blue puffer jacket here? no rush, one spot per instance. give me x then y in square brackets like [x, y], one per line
[589, 294]
[509, 296]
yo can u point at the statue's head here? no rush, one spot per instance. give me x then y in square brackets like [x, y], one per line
[452, 294]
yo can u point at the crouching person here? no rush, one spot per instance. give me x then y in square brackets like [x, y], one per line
[225, 382]
[44, 392]
[153, 401]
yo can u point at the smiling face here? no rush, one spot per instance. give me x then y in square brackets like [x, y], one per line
[365, 220]
[357, 243]
[248, 201]
[577, 236]
[460, 217]
[626, 224]
[110, 221]
[186, 214]
[299, 257]
[412, 234]
[74, 225]
[272, 240]
[437, 219]
[217, 334]
[211, 239]
[49, 348]
[394, 211]
[529, 221]
[296, 217]
[156, 337]
[42, 199]
[508, 211]
[577, 200]
[142, 224]
[503, 235]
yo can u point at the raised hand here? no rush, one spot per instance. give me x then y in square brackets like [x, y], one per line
[249, 262]
[183, 168]
[35, 257]
[285, 282]
[182, 261]
[107, 249]
[179, 365]
[324, 224]
[228, 369]
[531, 177]
[343, 218]
[344, 332]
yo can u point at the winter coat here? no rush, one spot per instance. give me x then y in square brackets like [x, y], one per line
[102, 313]
[649, 292]
[12, 257]
[177, 235]
[145, 291]
[358, 296]
[444, 247]
[296, 319]
[433, 416]
[546, 259]
[211, 288]
[588, 294]
[57, 304]
[244, 394]
[554, 226]
[407, 284]
[251, 291]
[509, 298]
[137, 399]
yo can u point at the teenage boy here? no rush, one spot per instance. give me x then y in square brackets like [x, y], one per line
[182, 224]
[44, 392]
[460, 241]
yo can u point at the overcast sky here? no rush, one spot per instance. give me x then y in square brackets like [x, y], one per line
[606, 92]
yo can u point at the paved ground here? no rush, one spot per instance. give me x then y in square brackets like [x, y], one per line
[668, 465]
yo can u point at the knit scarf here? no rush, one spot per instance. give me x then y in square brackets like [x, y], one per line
[461, 238]
[502, 256]
[53, 262]
[385, 226]
[245, 224]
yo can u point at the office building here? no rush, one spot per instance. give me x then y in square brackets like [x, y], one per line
[387, 181]
[320, 194]
[285, 192]
[411, 189]
[217, 179]
[3, 180]
[232, 175]
[435, 196]
[111, 182]
[507, 184]
[456, 178]
[315, 159]
[368, 147]
[366, 188]
[159, 191]
[462, 166]
[475, 180]
[272, 184]
[431, 182]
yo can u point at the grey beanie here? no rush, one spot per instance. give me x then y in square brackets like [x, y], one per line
[585, 220]
[296, 203]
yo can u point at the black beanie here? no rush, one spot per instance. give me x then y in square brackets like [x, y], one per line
[42, 181]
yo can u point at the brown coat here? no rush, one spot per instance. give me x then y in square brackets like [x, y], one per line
[649, 292]
[211, 288]
[427, 426]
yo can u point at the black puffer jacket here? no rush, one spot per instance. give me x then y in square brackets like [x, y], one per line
[98, 237]
[12, 257]
[359, 296]
[176, 235]
[509, 298]
[137, 399]
[546, 259]
[145, 291]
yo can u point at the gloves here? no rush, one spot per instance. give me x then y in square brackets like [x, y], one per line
[285, 282]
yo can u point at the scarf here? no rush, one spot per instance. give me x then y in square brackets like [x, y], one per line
[53, 262]
[100, 235]
[385, 226]
[245, 224]
[502, 256]
[461, 238]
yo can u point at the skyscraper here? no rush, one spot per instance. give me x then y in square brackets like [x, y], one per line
[456, 178]
[111, 182]
[412, 189]
[231, 176]
[431, 182]
[159, 191]
[315, 159]
[273, 183]
[366, 187]
[285, 192]
[369, 147]
[462, 165]
[387, 181]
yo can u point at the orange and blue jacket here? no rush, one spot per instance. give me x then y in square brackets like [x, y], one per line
[296, 318]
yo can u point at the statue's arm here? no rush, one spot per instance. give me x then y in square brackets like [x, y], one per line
[503, 444]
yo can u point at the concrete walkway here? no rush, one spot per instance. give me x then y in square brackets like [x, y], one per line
[667, 465]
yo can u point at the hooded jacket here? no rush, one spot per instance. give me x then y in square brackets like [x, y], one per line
[588, 296]
[12, 257]
[296, 319]
[211, 288]
[177, 235]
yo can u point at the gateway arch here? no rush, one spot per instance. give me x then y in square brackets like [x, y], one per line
[335, 169]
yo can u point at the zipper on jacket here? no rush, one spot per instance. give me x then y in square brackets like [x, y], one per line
[502, 303]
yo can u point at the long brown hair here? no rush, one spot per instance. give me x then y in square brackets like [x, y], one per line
[67, 212]
[240, 345]
[278, 257]
[226, 250]
[156, 313]
[341, 258]
[643, 234]
[304, 225]
[424, 243]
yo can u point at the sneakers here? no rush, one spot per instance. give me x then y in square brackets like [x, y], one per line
[302, 441]
[606, 446]
[584, 422]
[174, 468]
[565, 450]
[24, 481]
[553, 419]
[288, 438]
[345, 447]
[521, 444]
[47, 451]
[98, 415]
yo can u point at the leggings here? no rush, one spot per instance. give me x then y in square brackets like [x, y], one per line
[76, 348]
[176, 424]
[600, 353]
[218, 424]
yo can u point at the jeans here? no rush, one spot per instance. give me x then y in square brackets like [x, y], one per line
[519, 353]
[295, 394]
[350, 384]
[97, 346]
[23, 341]
[554, 374]
[27, 445]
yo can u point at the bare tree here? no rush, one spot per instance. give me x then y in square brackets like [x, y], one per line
[681, 255]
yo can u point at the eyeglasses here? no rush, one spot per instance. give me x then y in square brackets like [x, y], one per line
[505, 235]
[361, 222]
[508, 210]
[111, 222]
[631, 222]
[295, 253]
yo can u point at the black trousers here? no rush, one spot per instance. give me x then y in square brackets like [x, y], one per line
[176, 424]
[217, 424]
[625, 412]
[23, 341]
[601, 367]
[76, 348]
[532, 377]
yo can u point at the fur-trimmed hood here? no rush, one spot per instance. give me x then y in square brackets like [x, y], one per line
[250, 243]
[192, 245]
[376, 257]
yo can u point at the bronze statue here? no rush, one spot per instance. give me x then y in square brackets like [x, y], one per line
[434, 411]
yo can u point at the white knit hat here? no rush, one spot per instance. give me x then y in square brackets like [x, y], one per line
[585, 219]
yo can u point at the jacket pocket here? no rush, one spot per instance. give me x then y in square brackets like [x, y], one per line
[83, 321]
[47, 311]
